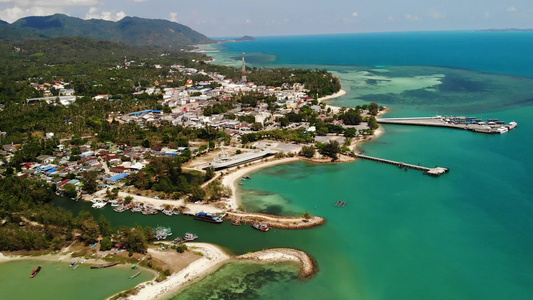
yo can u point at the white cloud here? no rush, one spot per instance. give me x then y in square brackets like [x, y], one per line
[104, 15]
[355, 14]
[390, 18]
[248, 21]
[25, 8]
[435, 14]
[140, 1]
[487, 15]
[411, 17]
[511, 9]
[49, 3]
[173, 17]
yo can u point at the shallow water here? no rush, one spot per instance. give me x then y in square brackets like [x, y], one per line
[248, 281]
[57, 280]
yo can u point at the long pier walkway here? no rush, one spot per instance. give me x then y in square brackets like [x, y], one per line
[437, 171]
[465, 123]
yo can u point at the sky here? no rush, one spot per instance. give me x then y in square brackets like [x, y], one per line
[225, 18]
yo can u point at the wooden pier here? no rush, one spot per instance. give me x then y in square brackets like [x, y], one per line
[436, 172]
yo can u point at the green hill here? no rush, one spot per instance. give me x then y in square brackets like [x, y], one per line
[129, 30]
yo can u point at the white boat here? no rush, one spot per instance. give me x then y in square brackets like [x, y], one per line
[190, 237]
[99, 205]
[512, 125]
[502, 129]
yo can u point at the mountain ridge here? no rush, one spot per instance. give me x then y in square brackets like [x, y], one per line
[130, 30]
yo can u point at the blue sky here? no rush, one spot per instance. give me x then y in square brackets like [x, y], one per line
[293, 17]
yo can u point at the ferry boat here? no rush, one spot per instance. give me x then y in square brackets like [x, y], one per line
[212, 218]
[261, 226]
[34, 272]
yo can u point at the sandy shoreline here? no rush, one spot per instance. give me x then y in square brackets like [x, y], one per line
[338, 94]
[213, 257]
[231, 179]
[308, 265]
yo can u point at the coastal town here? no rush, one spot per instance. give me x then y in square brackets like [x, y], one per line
[200, 141]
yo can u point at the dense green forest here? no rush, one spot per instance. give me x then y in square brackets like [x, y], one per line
[130, 30]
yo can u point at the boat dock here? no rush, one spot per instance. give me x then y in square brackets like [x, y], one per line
[436, 172]
[465, 123]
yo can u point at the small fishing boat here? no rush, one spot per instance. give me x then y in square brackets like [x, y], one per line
[261, 226]
[120, 209]
[135, 275]
[95, 244]
[34, 272]
[134, 266]
[75, 267]
[190, 237]
[340, 203]
[74, 263]
[161, 232]
[236, 223]
[102, 266]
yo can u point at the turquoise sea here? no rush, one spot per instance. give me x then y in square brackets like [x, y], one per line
[402, 235]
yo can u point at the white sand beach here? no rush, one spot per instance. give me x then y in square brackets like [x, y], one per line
[338, 94]
[213, 257]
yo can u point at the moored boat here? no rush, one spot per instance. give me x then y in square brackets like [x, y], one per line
[190, 237]
[34, 272]
[135, 275]
[102, 266]
[207, 217]
[261, 226]
[136, 209]
[167, 212]
[161, 233]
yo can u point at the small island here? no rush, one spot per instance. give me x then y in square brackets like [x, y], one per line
[245, 38]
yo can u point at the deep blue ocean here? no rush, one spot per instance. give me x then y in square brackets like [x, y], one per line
[494, 52]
